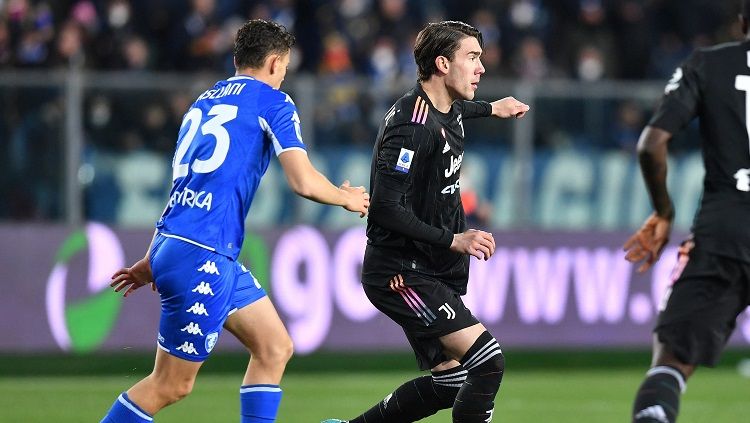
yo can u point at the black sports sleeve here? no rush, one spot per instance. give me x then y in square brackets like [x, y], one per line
[402, 156]
[681, 96]
[475, 109]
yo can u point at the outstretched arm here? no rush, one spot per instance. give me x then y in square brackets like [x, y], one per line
[307, 182]
[509, 107]
[503, 108]
[648, 242]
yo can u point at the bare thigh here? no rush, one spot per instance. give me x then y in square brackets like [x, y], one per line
[663, 356]
[174, 368]
[456, 344]
[257, 326]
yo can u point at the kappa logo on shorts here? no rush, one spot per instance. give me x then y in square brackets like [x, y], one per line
[209, 267]
[198, 308]
[448, 310]
[211, 341]
[187, 348]
[193, 329]
[204, 288]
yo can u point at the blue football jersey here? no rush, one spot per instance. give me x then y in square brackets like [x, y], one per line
[223, 149]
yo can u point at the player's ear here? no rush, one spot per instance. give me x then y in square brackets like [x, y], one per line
[441, 63]
[274, 61]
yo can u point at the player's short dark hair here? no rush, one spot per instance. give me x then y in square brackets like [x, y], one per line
[257, 39]
[745, 8]
[440, 39]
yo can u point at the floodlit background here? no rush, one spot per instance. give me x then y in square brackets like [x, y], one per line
[92, 94]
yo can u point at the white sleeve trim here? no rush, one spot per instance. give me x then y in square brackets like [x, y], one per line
[289, 149]
[269, 132]
[277, 148]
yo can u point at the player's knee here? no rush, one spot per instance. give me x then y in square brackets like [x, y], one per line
[276, 352]
[285, 350]
[173, 391]
[665, 357]
[484, 356]
[490, 373]
[446, 384]
[485, 359]
[497, 364]
[183, 389]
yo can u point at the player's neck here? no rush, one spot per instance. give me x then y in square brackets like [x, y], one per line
[438, 94]
[259, 74]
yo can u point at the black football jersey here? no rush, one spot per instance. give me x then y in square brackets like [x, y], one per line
[416, 164]
[714, 85]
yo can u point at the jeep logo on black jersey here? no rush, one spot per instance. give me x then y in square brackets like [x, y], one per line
[455, 165]
[452, 188]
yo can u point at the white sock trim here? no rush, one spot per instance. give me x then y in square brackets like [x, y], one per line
[672, 372]
[135, 410]
[492, 344]
[251, 388]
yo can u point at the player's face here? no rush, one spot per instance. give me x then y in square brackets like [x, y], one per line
[281, 65]
[465, 69]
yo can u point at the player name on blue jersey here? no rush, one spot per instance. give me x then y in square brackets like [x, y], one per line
[224, 147]
[234, 88]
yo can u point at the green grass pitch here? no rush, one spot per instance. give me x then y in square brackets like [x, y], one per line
[527, 395]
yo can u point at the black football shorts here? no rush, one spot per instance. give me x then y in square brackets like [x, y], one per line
[702, 306]
[425, 308]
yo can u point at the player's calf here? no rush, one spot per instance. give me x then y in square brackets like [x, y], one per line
[259, 403]
[124, 410]
[417, 398]
[658, 398]
[484, 363]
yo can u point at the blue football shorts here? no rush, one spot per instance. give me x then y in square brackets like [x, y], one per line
[199, 289]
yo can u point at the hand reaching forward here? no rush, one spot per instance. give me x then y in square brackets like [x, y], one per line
[133, 277]
[509, 107]
[479, 244]
[647, 243]
[357, 199]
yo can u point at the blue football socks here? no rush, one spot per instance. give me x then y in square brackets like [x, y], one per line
[259, 403]
[126, 411]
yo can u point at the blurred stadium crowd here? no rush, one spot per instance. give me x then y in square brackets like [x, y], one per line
[529, 39]
[356, 56]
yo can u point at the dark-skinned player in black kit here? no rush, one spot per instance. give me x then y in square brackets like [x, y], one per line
[711, 285]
